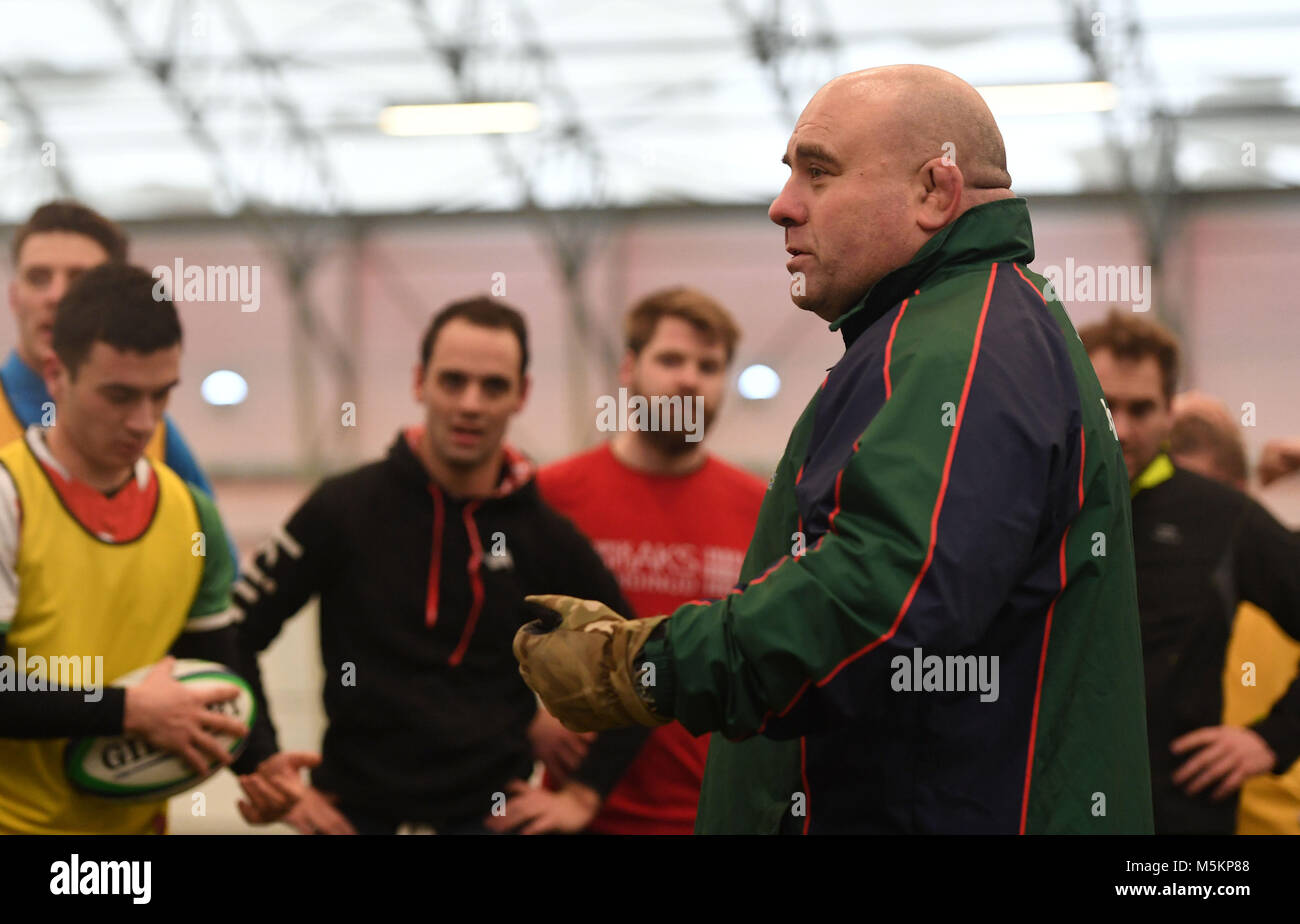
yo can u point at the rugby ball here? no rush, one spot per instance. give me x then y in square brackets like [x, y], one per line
[126, 768]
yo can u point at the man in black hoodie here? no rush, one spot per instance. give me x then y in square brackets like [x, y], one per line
[421, 562]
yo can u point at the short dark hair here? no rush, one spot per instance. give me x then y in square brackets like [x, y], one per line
[73, 217]
[117, 304]
[1134, 338]
[484, 311]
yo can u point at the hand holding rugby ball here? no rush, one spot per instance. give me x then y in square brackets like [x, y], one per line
[185, 719]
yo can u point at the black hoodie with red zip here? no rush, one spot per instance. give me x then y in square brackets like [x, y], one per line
[421, 593]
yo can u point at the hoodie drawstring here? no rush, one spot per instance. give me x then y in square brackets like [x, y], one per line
[435, 560]
[475, 582]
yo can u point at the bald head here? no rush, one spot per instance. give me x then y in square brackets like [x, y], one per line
[918, 113]
[1206, 439]
[881, 160]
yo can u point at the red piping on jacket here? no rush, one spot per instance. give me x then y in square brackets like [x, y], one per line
[889, 345]
[435, 559]
[1042, 658]
[1047, 626]
[475, 582]
[889, 390]
[934, 517]
[803, 742]
[1022, 275]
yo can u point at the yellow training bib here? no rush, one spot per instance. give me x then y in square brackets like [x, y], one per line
[80, 596]
[1260, 665]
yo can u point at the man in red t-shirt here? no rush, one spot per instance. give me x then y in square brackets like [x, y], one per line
[673, 523]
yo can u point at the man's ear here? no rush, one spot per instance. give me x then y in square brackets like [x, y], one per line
[55, 374]
[13, 296]
[417, 386]
[625, 367]
[525, 388]
[941, 184]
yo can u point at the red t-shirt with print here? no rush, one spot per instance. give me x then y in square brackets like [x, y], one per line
[668, 539]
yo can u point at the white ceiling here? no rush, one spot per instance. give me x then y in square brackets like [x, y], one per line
[276, 101]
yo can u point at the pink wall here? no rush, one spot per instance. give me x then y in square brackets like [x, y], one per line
[1229, 269]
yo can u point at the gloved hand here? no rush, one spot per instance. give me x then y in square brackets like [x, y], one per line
[582, 668]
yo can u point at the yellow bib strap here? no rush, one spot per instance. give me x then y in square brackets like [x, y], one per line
[1160, 470]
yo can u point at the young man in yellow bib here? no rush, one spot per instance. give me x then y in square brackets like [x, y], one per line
[107, 554]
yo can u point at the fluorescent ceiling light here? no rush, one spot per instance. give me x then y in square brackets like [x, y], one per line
[459, 119]
[1049, 98]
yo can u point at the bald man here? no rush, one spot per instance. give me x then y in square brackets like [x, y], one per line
[936, 629]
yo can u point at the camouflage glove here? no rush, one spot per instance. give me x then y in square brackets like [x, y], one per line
[582, 668]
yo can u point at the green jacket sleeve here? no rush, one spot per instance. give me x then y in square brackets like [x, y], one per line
[212, 604]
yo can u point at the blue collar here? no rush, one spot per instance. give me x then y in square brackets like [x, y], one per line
[24, 388]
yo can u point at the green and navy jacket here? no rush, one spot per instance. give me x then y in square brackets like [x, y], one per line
[953, 489]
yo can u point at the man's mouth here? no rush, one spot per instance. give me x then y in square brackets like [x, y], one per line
[466, 436]
[131, 447]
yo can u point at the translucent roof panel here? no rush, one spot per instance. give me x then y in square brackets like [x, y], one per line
[163, 107]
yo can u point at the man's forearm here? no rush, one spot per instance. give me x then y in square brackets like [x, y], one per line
[61, 713]
[610, 756]
[1280, 729]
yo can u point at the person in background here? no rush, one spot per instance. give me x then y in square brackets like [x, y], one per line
[59, 242]
[1262, 660]
[672, 521]
[421, 561]
[98, 560]
[1202, 548]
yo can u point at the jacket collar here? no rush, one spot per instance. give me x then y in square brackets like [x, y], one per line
[1158, 471]
[994, 232]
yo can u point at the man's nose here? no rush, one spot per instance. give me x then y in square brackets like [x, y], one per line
[58, 288]
[143, 418]
[786, 209]
[688, 382]
[472, 400]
